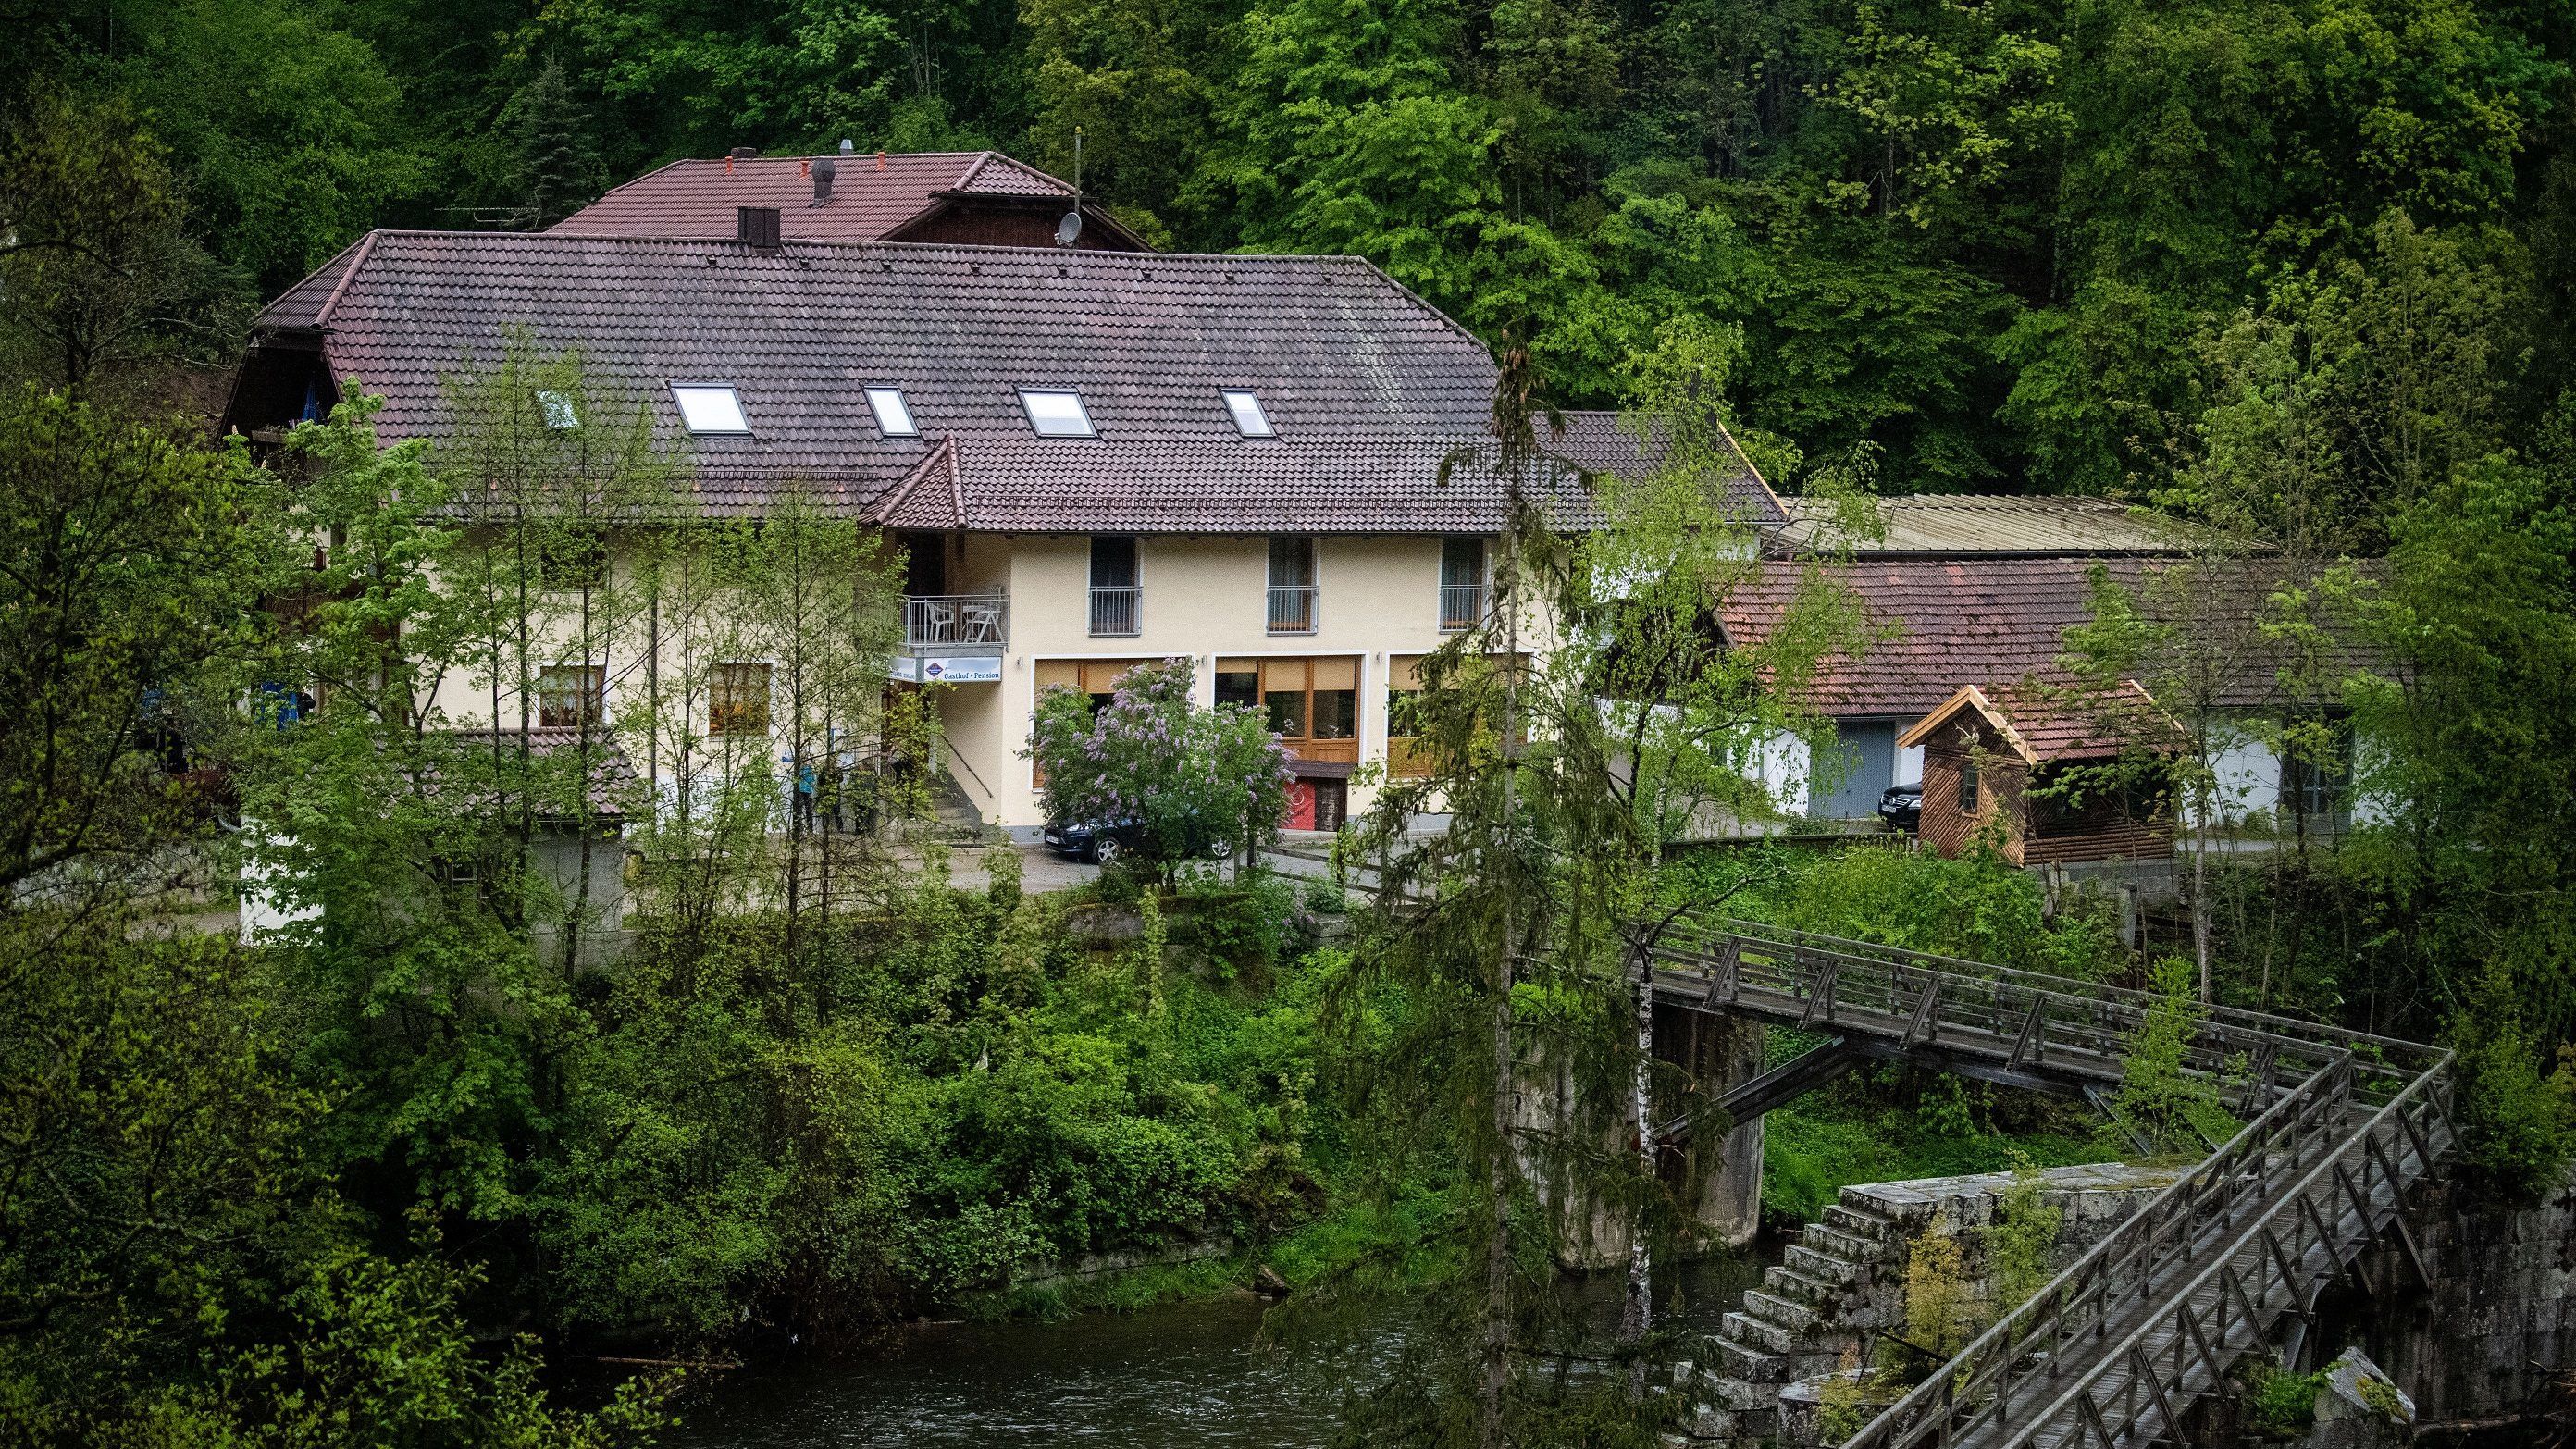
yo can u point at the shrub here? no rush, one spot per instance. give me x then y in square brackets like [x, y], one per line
[2518, 1126]
[2021, 1244]
[1188, 776]
[2278, 1403]
[1237, 926]
[2157, 1100]
[1942, 1308]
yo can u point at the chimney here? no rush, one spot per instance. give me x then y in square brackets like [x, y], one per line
[824, 170]
[743, 153]
[757, 227]
[848, 146]
[881, 160]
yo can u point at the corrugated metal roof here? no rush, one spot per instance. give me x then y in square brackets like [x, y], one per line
[1942, 525]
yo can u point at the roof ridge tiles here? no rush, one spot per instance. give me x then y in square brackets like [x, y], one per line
[1147, 261]
[366, 248]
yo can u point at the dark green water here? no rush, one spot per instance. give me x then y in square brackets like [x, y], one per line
[1181, 1374]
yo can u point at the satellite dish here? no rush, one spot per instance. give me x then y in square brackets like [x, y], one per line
[1069, 228]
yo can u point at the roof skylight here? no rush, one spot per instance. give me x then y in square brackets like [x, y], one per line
[1249, 419]
[1056, 412]
[559, 412]
[894, 417]
[709, 408]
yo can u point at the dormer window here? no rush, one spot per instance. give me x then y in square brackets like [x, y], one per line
[1249, 419]
[894, 416]
[558, 409]
[1056, 412]
[709, 408]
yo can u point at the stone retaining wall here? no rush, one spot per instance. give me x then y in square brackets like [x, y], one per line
[2495, 1333]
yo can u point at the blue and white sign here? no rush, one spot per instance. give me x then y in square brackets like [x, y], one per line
[968, 669]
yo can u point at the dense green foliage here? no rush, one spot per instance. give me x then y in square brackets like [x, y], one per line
[311, 1185]
[1984, 242]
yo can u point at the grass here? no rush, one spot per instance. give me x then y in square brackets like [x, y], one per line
[1813, 1149]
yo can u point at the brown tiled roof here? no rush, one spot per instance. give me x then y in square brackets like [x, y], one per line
[612, 780]
[2042, 724]
[698, 198]
[1369, 387]
[928, 496]
[1985, 622]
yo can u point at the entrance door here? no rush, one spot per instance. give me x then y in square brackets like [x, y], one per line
[1332, 804]
[1867, 765]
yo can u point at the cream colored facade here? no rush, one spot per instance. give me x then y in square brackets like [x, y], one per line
[1202, 598]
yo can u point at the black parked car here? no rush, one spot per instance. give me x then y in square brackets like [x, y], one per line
[1095, 841]
[1901, 806]
[1101, 843]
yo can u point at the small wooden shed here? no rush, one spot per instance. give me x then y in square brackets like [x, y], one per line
[1994, 754]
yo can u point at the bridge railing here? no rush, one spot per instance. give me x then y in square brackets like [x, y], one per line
[2169, 1359]
[2305, 1084]
[2072, 1313]
[2016, 1020]
[2117, 1000]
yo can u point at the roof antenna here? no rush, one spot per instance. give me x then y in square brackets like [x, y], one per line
[1071, 226]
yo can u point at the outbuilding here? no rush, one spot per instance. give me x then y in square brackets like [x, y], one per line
[2052, 775]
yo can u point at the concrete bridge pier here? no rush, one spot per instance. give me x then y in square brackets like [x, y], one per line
[1718, 1052]
[1724, 1175]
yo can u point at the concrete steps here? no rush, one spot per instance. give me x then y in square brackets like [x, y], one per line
[1797, 1287]
[1784, 1330]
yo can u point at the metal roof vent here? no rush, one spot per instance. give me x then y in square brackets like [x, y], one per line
[757, 226]
[848, 146]
[743, 153]
[824, 170]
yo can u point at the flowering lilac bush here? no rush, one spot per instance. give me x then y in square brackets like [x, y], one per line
[1191, 777]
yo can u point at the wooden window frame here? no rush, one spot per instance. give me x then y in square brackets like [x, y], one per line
[570, 705]
[729, 711]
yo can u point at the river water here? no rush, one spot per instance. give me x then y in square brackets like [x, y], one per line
[1178, 1374]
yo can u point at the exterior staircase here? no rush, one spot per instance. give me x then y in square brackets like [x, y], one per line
[1796, 1325]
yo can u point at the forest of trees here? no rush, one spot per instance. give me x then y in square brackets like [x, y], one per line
[1979, 246]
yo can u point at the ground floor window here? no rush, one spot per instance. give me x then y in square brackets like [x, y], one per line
[1403, 696]
[570, 695]
[1097, 678]
[1312, 704]
[738, 700]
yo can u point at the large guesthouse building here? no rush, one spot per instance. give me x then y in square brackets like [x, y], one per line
[1274, 467]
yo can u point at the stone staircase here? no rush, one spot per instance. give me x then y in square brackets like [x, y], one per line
[1843, 1283]
[1798, 1324]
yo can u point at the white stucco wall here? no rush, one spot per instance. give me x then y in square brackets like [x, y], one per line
[1781, 765]
[2248, 779]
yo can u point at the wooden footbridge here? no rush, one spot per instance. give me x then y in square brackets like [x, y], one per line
[2117, 1350]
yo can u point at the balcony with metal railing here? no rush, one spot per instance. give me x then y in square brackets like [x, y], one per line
[1292, 608]
[953, 638]
[1117, 612]
[1462, 607]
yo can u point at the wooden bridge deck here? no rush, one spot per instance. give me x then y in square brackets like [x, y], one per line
[2116, 1350]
